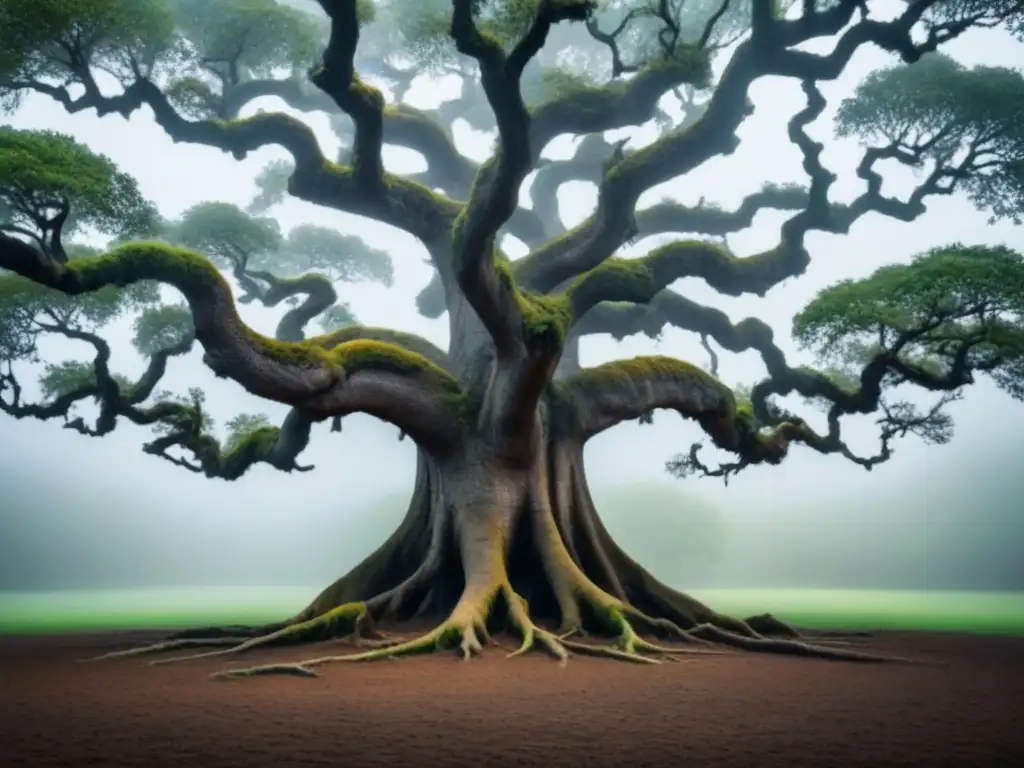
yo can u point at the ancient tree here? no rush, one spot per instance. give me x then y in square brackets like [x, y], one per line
[501, 531]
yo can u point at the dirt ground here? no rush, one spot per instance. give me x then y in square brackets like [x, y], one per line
[960, 709]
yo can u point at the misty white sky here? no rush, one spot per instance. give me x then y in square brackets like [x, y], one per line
[47, 471]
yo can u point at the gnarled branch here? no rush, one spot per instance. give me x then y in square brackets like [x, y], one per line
[752, 334]
[318, 290]
[184, 423]
[526, 358]
[324, 376]
[609, 394]
[708, 220]
[338, 78]
[404, 204]
[640, 280]
[113, 399]
[495, 192]
[277, 446]
[614, 221]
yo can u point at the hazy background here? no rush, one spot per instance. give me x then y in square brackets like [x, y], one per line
[80, 513]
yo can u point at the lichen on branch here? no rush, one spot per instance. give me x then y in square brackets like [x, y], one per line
[614, 221]
[936, 322]
[320, 376]
[336, 76]
[495, 192]
[609, 394]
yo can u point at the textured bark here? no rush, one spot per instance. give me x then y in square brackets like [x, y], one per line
[457, 514]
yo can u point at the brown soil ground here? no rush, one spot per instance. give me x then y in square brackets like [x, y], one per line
[962, 708]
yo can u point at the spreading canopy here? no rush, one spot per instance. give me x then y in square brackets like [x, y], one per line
[949, 313]
[962, 123]
[51, 185]
[530, 71]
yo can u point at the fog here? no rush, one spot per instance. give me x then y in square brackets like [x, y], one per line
[78, 512]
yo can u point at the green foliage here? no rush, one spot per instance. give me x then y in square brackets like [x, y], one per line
[50, 39]
[1008, 14]
[202, 46]
[225, 233]
[65, 377]
[200, 50]
[193, 97]
[162, 327]
[43, 172]
[42, 175]
[272, 185]
[942, 301]
[194, 419]
[366, 11]
[337, 316]
[228, 235]
[942, 112]
[420, 31]
[344, 257]
[253, 38]
[506, 20]
[242, 426]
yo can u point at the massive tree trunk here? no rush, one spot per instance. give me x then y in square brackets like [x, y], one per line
[492, 545]
[477, 530]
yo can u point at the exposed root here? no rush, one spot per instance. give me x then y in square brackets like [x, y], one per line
[828, 648]
[465, 634]
[243, 631]
[788, 647]
[169, 645]
[610, 652]
[325, 625]
[629, 646]
[299, 670]
[616, 615]
[829, 642]
[465, 629]
[531, 633]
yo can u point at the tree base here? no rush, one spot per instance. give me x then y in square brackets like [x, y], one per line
[467, 566]
[466, 632]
